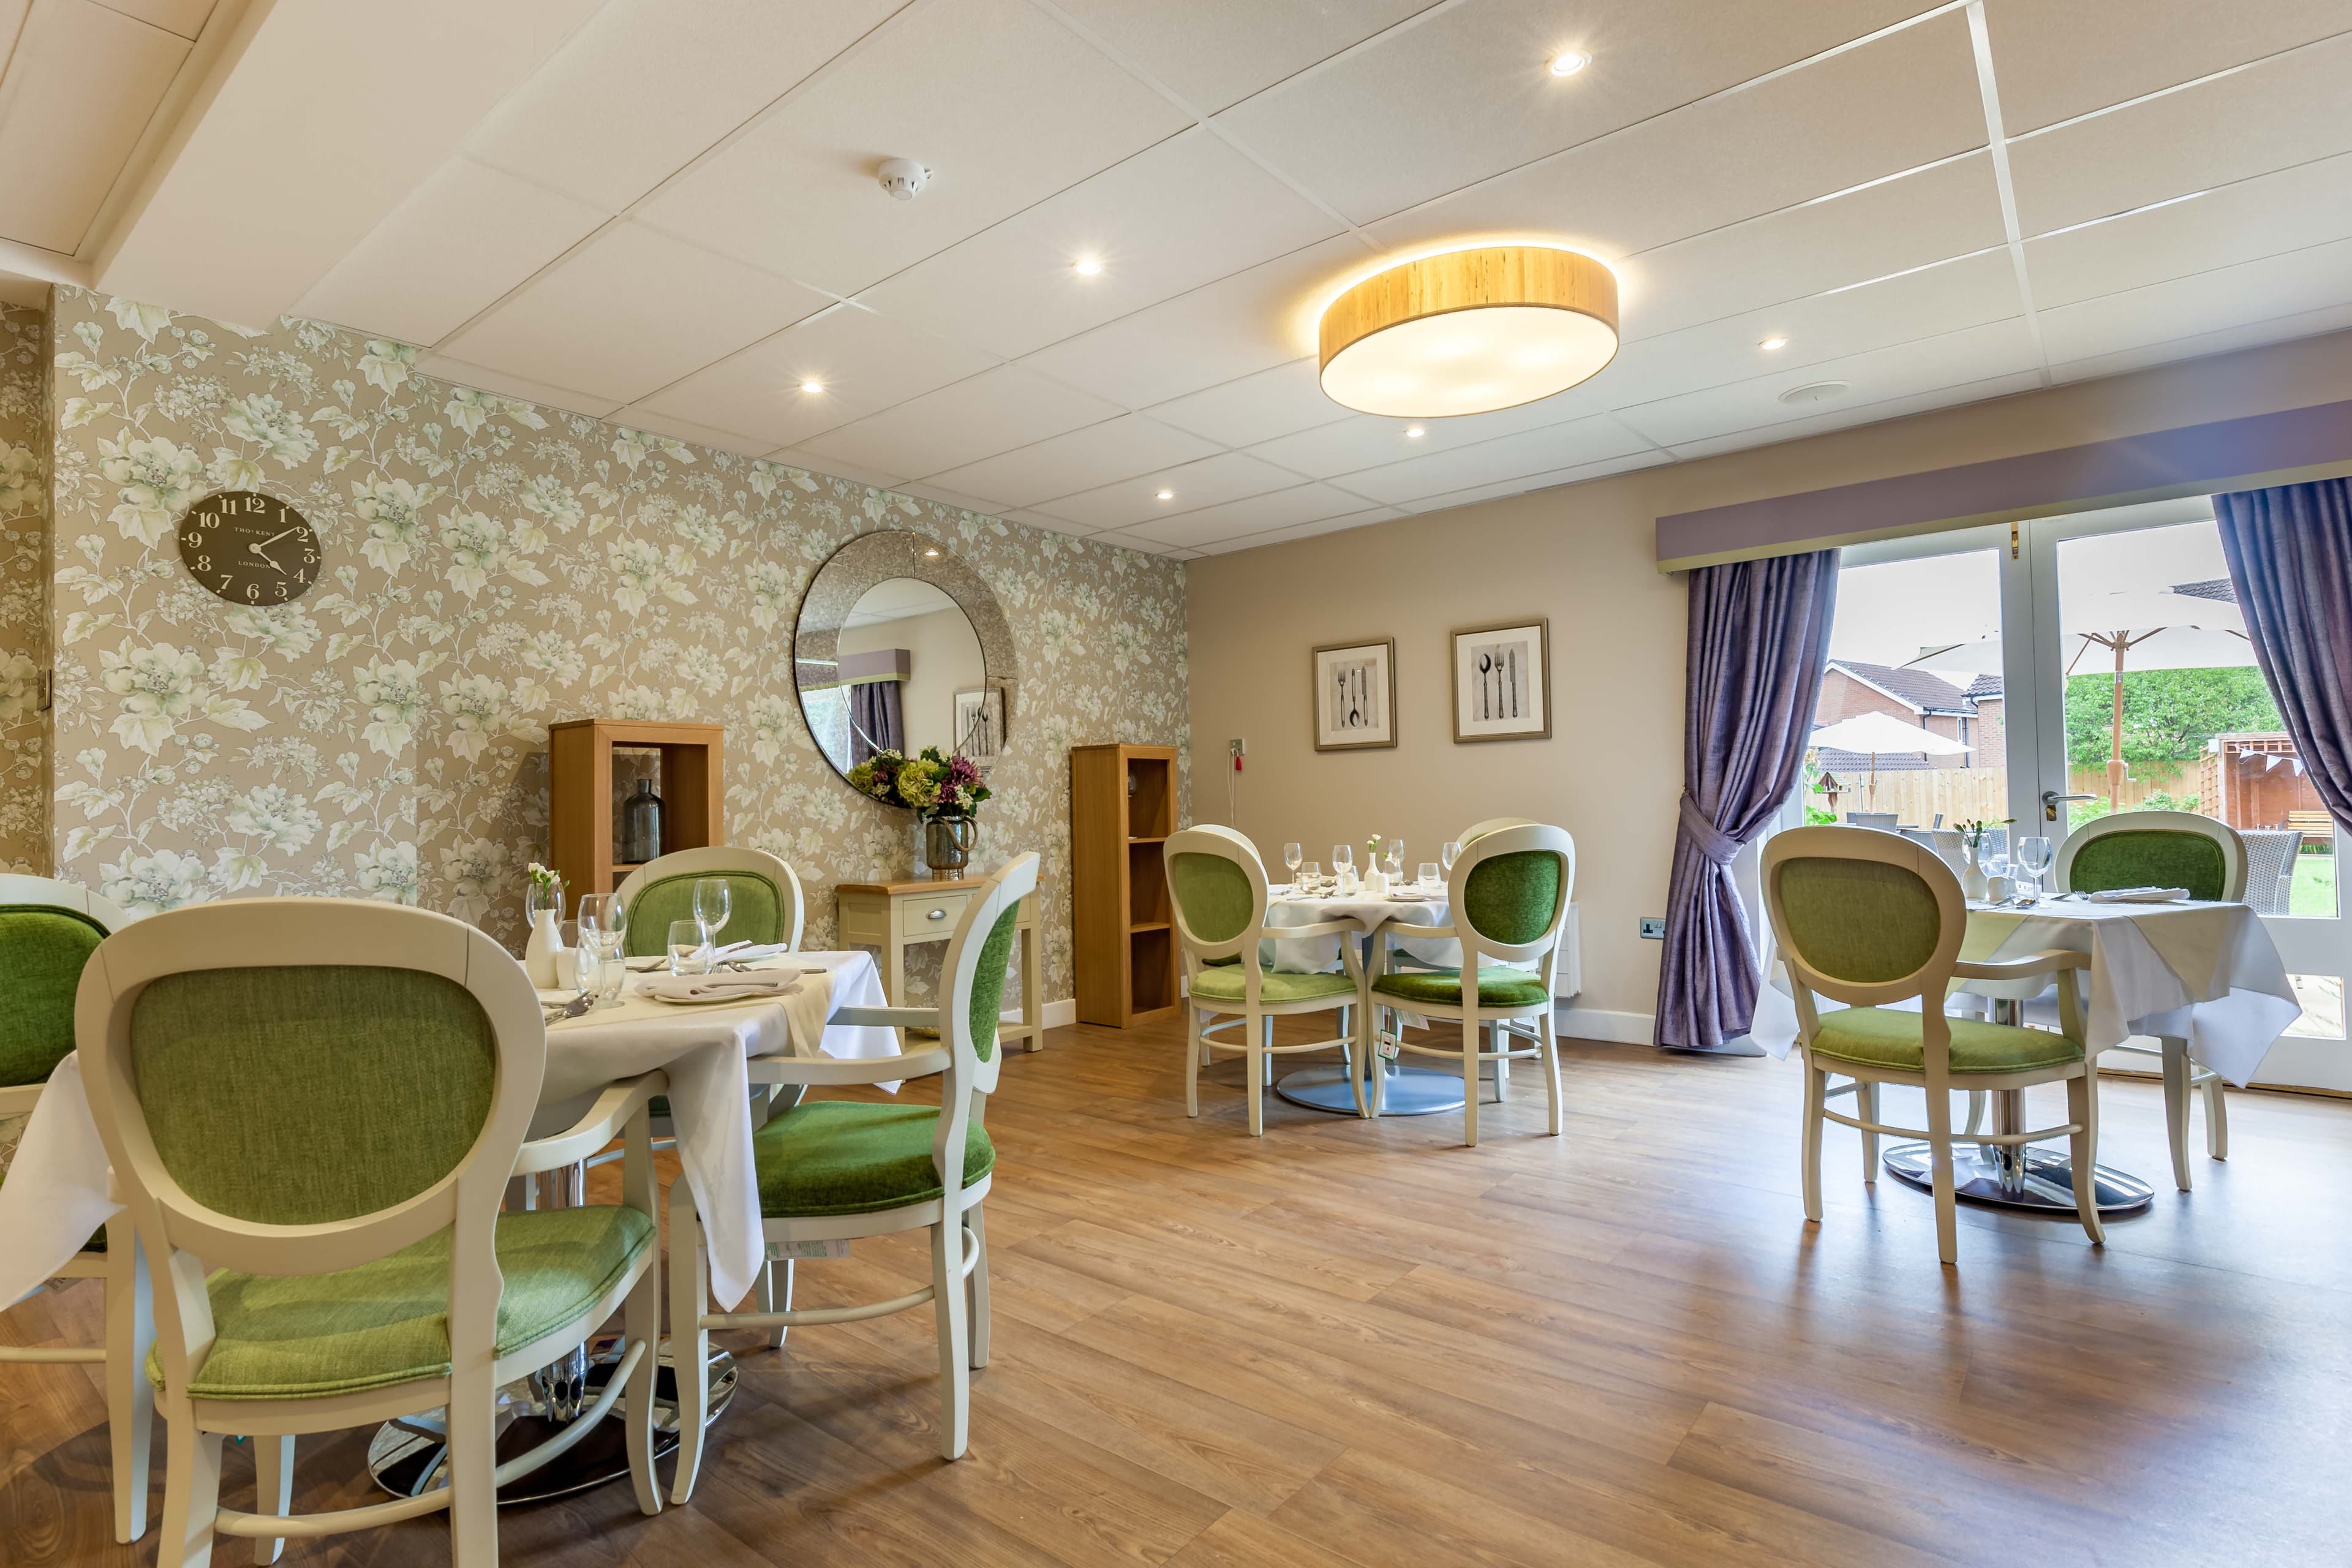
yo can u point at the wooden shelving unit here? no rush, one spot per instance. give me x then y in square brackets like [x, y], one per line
[584, 790]
[1122, 809]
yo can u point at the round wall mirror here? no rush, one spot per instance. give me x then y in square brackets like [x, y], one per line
[901, 647]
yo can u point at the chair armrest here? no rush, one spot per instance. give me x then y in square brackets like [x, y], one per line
[835, 1071]
[603, 1123]
[2048, 961]
[887, 1018]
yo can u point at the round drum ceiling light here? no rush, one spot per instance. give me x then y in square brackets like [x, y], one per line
[1468, 331]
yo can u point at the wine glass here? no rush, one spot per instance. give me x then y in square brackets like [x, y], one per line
[1392, 858]
[604, 913]
[713, 901]
[1291, 856]
[1448, 853]
[2033, 860]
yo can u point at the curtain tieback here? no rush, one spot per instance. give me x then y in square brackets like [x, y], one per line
[1708, 839]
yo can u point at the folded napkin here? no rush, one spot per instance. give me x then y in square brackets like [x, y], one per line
[748, 986]
[2137, 895]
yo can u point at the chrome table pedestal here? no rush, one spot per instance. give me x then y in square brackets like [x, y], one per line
[1406, 1091]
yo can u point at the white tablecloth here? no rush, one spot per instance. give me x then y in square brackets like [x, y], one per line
[1316, 954]
[2205, 973]
[56, 1195]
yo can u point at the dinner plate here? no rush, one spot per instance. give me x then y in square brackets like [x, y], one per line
[711, 1001]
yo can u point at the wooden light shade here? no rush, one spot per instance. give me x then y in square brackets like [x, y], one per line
[1469, 331]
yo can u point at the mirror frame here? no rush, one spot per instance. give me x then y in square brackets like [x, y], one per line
[871, 559]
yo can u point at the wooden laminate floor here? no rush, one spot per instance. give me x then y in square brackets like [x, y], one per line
[1362, 1344]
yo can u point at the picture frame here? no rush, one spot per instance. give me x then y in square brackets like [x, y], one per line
[979, 725]
[1354, 695]
[1502, 681]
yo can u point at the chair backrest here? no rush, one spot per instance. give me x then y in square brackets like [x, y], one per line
[2270, 867]
[1865, 918]
[1217, 892]
[971, 1000]
[1509, 894]
[1885, 821]
[2154, 849]
[764, 906]
[48, 931]
[294, 1086]
[1479, 831]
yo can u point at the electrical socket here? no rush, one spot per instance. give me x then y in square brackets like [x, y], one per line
[1237, 747]
[1654, 927]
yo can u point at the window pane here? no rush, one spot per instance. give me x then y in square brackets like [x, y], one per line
[2322, 996]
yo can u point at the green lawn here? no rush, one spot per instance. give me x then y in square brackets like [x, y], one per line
[2313, 892]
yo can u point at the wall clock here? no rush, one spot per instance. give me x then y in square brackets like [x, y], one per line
[249, 548]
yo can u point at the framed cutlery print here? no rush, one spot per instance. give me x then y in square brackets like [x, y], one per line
[1502, 681]
[1355, 696]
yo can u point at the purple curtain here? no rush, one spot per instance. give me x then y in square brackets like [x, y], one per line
[876, 720]
[2290, 555]
[1759, 638]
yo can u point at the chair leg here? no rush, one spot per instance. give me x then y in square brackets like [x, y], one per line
[2176, 1107]
[473, 1461]
[948, 1313]
[1376, 1096]
[1469, 1078]
[1254, 1064]
[273, 1490]
[1194, 1049]
[1939, 1157]
[1810, 1157]
[1503, 1038]
[1976, 1110]
[1266, 1032]
[1548, 1037]
[976, 1288]
[641, 1322]
[689, 1342]
[2217, 1119]
[1865, 1108]
[192, 1464]
[765, 1296]
[2082, 1109]
[130, 1397]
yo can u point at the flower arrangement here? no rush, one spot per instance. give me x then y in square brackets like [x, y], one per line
[932, 785]
[1972, 832]
[543, 880]
[1371, 851]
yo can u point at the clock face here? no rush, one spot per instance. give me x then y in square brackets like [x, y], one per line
[249, 548]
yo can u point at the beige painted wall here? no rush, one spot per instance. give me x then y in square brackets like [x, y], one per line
[1582, 554]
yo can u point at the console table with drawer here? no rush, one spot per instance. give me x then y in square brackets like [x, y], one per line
[895, 916]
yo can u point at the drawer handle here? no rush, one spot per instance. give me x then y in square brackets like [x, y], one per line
[936, 915]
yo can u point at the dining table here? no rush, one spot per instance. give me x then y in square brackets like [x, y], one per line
[2205, 971]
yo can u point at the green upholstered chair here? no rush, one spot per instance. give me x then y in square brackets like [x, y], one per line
[2164, 849]
[764, 905]
[48, 931]
[1872, 918]
[833, 1170]
[1509, 893]
[324, 1100]
[1217, 886]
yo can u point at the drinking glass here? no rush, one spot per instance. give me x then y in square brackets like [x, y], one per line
[1448, 853]
[713, 901]
[603, 912]
[1343, 856]
[1310, 878]
[567, 957]
[689, 947]
[2033, 860]
[1291, 858]
[1392, 860]
[1429, 877]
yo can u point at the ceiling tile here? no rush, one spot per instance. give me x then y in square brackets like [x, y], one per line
[1301, 531]
[818, 463]
[1083, 459]
[2261, 216]
[631, 311]
[644, 87]
[865, 363]
[569, 399]
[1369, 440]
[1575, 443]
[975, 418]
[2253, 334]
[1649, 458]
[2316, 277]
[953, 498]
[405, 280]
[1055, 524]
[1846, 418]
[185, 17]
[1005, 106]
[1977, 353]
[1236, 327]
[2054, 59]
[2281, 112]
[1466, 93]
[1911, 222]
[1184, 213]
[643, 418]
[1228, 476]
[1132, 541]
[1255, 514]
[1214, 53]
[1254, 408]
[1900, 101]
[79, 89]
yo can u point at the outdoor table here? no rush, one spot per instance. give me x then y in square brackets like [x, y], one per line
[2206, 973]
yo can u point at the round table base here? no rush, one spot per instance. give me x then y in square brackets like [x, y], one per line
[1409, 1091]
[2048, 1186]
[405, 1457]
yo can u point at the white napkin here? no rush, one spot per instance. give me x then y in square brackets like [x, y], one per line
[2137, 895]
[710, 987]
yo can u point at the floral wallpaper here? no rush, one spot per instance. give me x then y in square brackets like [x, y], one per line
[492, 567]
[23, 592]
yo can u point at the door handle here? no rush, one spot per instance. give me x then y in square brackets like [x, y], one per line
[2049, 799]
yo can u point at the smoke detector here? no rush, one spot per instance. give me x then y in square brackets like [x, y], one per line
[903, 178]
[1817, 392]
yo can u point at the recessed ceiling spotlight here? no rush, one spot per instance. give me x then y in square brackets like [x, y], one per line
[1768, 345]
[1167, 495]
[1087, 266]
[1817, 392]
[1415, 434]
[1568, 62]
[811, 386]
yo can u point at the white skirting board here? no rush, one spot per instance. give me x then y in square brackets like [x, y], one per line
[1606, 1024]
[1058, 1015]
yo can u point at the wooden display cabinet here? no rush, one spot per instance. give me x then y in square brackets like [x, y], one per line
[582, 805]
[1122, 809]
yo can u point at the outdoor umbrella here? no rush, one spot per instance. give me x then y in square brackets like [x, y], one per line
[1872, 734]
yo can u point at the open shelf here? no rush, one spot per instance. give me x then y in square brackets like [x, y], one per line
[592, 763]
[1123, 811]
